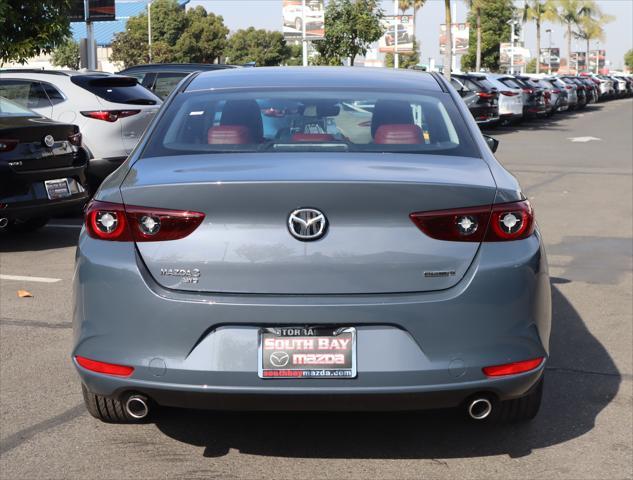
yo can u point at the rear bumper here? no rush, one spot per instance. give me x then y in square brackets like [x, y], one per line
[424, 350]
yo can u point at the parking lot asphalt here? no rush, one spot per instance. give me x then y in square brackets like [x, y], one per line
[582, 191]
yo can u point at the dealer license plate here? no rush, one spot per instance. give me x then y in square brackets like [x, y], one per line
[307, 352]
[57, 188]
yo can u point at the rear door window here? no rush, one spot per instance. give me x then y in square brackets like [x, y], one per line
[116, 89]
[54, 95]
[29, 94]
[166, 82]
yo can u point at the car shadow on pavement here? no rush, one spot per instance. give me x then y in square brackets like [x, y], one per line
[46, 238]
[574, 396]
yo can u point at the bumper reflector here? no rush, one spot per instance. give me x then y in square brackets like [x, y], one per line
[512, 368]
[102, 367]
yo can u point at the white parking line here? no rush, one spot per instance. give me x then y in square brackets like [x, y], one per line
[20, 278]
[62, 225]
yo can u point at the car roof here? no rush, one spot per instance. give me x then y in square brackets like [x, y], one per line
[179, 67]
[315, 77]
[63, 73]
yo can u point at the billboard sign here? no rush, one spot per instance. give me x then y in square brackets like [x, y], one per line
[298, 14]
[521, 55]
[550, 55]
[461, 37]
[579, 61]
[403, 27]
[77, 11]
[598, 56]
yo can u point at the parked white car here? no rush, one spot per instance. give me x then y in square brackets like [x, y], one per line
[510, 98]
[111, 111]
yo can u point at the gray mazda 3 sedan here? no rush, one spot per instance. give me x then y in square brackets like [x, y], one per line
[311, 239]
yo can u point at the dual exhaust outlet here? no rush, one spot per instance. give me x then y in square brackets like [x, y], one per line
[478, 408]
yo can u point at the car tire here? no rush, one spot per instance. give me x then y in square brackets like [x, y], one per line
[25, 225]
[522, 409]
[106, 409]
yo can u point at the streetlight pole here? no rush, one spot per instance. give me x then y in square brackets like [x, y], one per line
[549, 52]
[304, 40]
[511, 22]
[396, 56]
[149, 31]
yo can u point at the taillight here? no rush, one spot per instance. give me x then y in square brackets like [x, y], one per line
[569, 87]
[556, 92]
[75, 139]
[507, 93]
[512, 368]
[6, 145]
[496, 223]
[485, 95]
[127, 223]
[109, 115]
[528, 90]
[103, 367]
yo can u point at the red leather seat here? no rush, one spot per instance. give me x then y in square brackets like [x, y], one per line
[229, 135]
[312, 137]
[400, 134]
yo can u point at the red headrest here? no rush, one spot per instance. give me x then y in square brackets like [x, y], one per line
[312, 137]
[403, 134]
[229, 135]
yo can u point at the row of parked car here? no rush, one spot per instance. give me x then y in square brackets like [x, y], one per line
[63, 132]
[495, 99]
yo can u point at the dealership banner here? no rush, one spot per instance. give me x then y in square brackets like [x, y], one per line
[461, 37]
[599, 57]
[550, 55]
[297, 13]
[98, 11]
[579, 61]
[403, 27]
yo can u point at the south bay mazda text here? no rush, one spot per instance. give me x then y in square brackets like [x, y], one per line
[312, 239]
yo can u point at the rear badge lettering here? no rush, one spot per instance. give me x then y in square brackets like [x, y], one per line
[439, 273]
[187, 275]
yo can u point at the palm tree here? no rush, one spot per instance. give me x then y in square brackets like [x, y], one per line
[592, 28]
[570, 13]
[476, 6]
[448, 51]
[539, 11]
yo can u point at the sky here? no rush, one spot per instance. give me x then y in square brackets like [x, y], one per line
[267, 14]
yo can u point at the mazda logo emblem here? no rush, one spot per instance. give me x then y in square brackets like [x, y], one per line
[307, 224]
[49, 141]
[279, 359]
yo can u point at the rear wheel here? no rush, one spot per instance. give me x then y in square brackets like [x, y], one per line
[521, 409]
[24, 225]
[110, 410]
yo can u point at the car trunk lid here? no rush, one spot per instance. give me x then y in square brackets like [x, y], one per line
[244, 244]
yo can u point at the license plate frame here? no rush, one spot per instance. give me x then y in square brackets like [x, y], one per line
[57, 188]
[313, 369]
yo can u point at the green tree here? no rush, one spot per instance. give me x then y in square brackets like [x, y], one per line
[32, 27]
[475, 7]
[67, 55]
[406, 60]
[539, 11]
[295, 56]
[263, 47]
[628, 59]
[495, 15]
[532, 65]
[177, 36]
[351, 27]
[204, 38]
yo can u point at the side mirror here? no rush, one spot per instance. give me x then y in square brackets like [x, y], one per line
[462, 91]
[493, 143]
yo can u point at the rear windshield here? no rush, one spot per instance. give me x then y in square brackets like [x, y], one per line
[10, 109]
[116, 89]
[315, 121]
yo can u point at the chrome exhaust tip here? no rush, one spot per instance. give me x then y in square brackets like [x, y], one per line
[479, 408]
[4, 222]
[136, 406]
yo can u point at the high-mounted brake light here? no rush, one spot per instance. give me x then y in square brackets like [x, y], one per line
[6, 145]
[109, 115]
[127, 223]
[512, 368]
[496, 223]
[103, 367]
